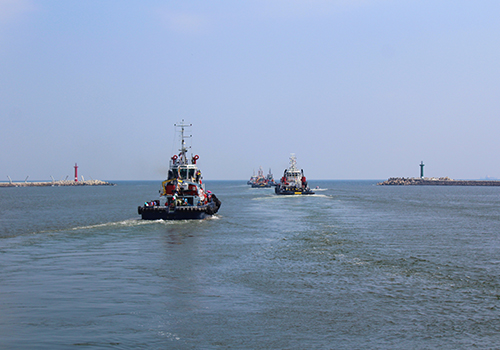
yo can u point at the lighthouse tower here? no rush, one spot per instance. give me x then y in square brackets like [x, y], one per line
[422, 169]
[76, 172]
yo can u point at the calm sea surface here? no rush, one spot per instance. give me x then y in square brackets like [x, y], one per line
[356, 266]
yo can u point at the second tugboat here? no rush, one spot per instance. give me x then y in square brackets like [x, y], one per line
[184, 192]
[293, 180]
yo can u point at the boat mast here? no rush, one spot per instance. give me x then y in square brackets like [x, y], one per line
[293, 162]
[183, 150]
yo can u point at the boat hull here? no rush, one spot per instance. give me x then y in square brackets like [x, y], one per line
[260, 185]
[292, 191]
[177, 213]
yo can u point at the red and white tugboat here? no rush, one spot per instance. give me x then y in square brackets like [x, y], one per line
[183, 190]
[293, 180]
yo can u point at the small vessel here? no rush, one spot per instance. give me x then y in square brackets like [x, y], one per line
[183, 190]
[293, 180]
[270, 179]
[252, 179]
[260, 181]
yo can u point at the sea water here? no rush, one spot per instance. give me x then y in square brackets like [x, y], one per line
[355, 266]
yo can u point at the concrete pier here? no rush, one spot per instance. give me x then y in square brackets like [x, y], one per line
[56, 183]
[433, 181]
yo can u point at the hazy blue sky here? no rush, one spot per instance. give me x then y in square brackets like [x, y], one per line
[356, 89]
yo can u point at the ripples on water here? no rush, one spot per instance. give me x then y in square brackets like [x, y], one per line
[354, 266]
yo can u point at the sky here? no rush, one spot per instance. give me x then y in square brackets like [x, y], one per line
[356, 89]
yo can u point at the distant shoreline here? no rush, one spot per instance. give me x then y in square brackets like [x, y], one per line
[56, 183]
[442, 181]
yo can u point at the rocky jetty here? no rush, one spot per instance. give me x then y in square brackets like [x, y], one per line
[434, 181]
[56, 183]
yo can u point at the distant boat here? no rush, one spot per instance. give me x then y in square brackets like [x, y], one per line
[259, 181]
[252, 178]
[270, 179]
[293, 181]
[183, 190]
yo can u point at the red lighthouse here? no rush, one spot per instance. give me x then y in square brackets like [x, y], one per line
[76, 173]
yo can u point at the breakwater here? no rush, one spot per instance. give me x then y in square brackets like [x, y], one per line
[441, 181]
[56, 183]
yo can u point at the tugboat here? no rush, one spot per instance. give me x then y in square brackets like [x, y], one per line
[293, 180]
[270, 179]
[184, 192]
[260, 181]
[252, 179]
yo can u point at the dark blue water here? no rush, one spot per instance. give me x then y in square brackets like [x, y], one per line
[356, 266]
